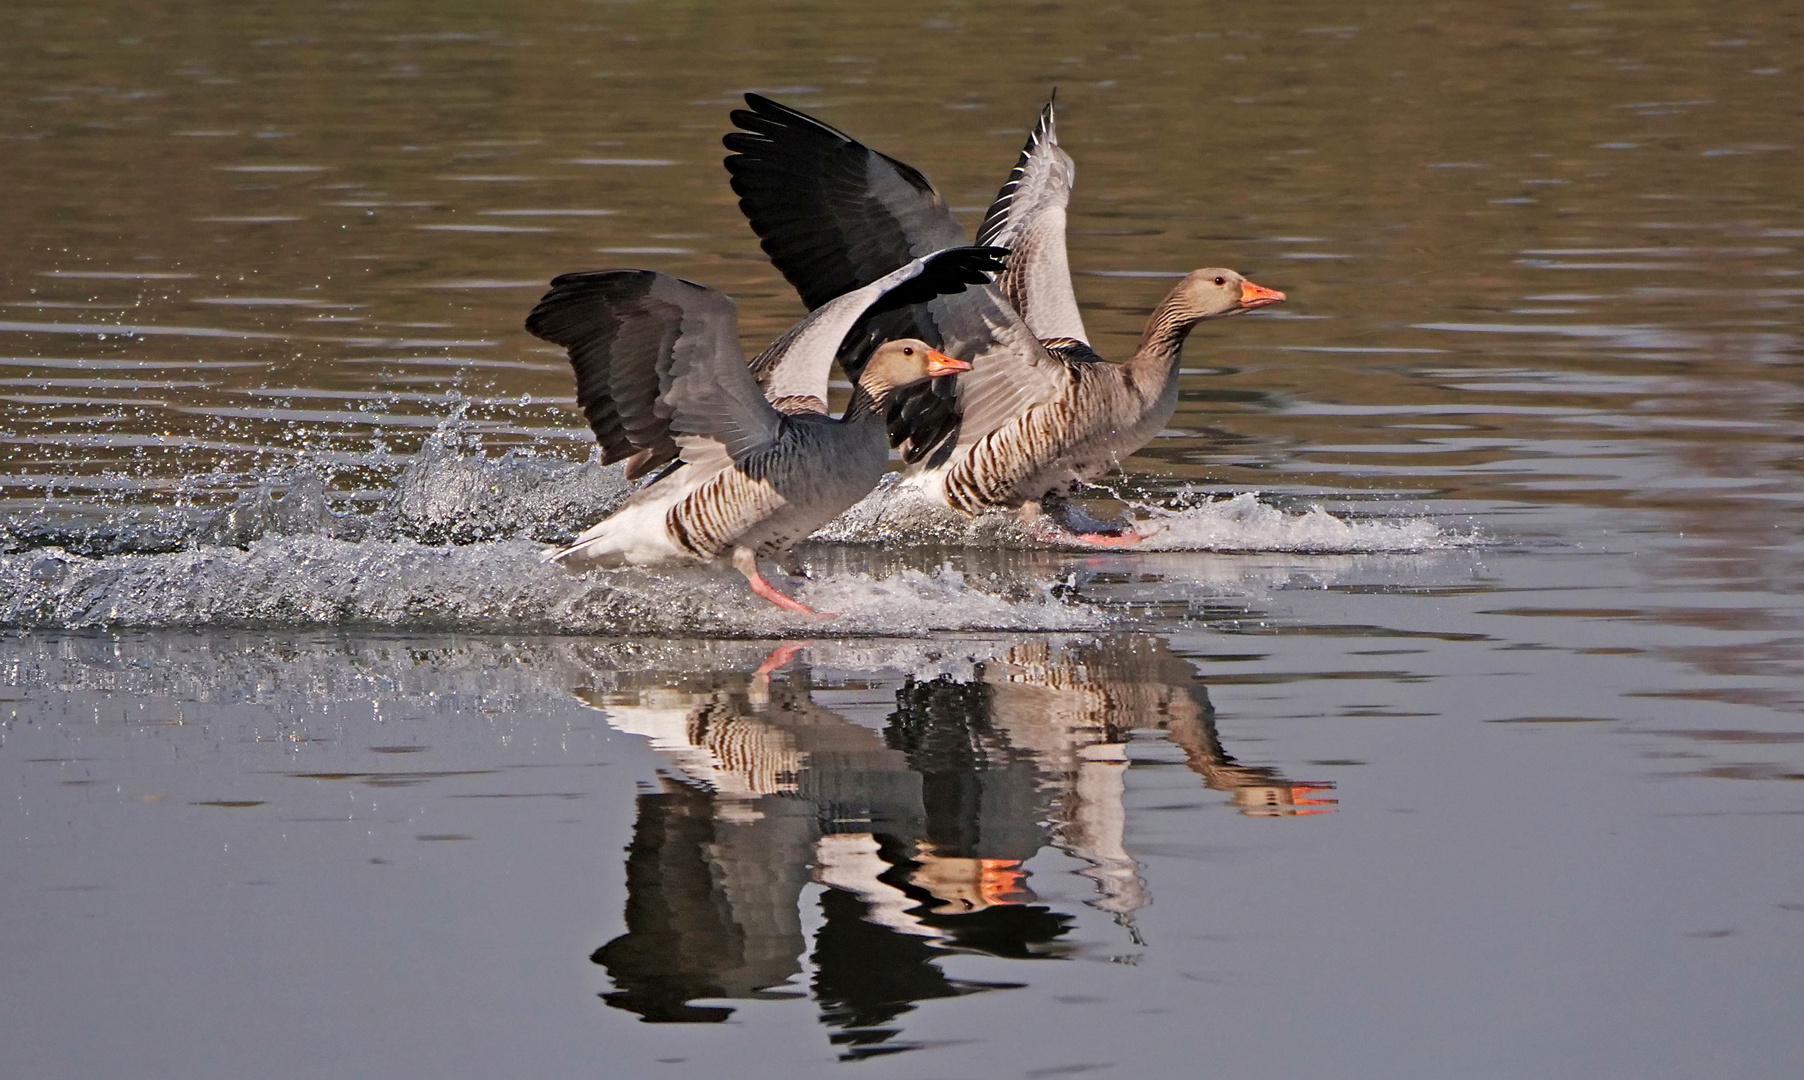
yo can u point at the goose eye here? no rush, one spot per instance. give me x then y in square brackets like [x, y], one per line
[908, 350]
[1221, 281]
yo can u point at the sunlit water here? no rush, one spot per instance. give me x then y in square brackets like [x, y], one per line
[1442, 727]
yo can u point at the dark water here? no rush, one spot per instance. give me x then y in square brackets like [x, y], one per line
[1454, 729]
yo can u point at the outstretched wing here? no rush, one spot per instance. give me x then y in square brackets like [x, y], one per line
[835, 215]
[1028, 217]
[832, 214]
[658, 364]
[657, 359]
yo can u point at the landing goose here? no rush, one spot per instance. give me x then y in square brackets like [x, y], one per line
[753, 461]
[1042, 412]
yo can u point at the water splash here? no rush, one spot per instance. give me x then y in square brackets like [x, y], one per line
[450, 492]
[314, 580]
[899, 514]
[1243, 523]
[455, 542]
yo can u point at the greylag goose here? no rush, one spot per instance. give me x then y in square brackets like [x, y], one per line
[754, 462]
[1042, 412]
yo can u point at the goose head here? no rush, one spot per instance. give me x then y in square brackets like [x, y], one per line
[1217, 291]
[905, 362]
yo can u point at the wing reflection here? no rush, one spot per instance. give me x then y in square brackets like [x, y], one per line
[917, 834]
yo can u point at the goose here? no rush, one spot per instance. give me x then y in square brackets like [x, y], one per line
[1043, 412]
[751, 460]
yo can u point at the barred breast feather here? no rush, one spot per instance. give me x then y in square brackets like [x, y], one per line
[1050, 446]
[770, 500]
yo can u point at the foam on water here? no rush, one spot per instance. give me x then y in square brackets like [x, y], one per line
[455, 541]
[1243, 523]
[490, 586]
[898, 513]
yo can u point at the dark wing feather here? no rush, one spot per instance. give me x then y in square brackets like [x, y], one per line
[614, 330]
[832, 214]
[798, 363]
[835, 215]
[656, 358]
[1011, 370]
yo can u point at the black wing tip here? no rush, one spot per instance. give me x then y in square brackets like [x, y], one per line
[954, 269]
[944, 273]
[973, 259]
[551, 319]
[768, 112]
[773, 135]
[578, 278]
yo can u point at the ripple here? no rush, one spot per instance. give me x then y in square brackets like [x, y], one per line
[484, 228]
[251, 219]
[130, 330]
[118, 275]
[547, 213]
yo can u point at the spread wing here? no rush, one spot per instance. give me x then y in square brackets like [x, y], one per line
[835, 215]
[1028, 217]
[657, 363]
[832, 214]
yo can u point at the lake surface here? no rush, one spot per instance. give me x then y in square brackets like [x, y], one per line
[1451, 727]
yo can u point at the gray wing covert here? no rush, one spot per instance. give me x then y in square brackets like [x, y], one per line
[1010, 370]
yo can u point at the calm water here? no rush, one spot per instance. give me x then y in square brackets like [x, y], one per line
[1452, 730]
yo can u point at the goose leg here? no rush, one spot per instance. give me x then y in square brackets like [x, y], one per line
[746, 562]
[1110, 539]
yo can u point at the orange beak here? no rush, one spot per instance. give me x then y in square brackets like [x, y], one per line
[1002, 881]
[938, 363]
[1258, 296]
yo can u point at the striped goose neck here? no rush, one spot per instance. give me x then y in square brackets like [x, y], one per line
[1163, 340]
[862, 405]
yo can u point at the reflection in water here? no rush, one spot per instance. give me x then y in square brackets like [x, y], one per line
[917, 835]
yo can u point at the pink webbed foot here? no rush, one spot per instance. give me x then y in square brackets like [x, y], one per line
[1121, 539]
[747, 563]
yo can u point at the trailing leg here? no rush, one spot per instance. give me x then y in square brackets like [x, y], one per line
[745, 560]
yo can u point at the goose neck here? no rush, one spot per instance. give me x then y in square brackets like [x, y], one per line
[1162, 343]
[863, 404]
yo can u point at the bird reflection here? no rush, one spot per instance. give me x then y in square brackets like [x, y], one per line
[917, 834]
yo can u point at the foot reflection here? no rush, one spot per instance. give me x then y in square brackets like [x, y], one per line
[917, 834]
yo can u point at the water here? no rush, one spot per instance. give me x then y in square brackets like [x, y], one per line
[1444, 729]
